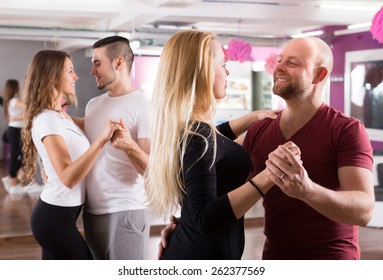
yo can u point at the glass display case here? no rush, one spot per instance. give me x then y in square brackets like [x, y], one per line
[238, 95]
[238, 100]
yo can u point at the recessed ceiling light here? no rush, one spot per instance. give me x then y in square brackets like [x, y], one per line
[351, 8]
[307, 34]
[359, 25]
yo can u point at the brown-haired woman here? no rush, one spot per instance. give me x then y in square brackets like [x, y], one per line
[64, 150]
[13, 114]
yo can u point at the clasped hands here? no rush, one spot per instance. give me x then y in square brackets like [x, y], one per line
[284, 168]
[118, 134]
[283, 165]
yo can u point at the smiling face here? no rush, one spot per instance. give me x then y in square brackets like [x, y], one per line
[102, 68]
[219, 87]
[69, 78]
[295, 70]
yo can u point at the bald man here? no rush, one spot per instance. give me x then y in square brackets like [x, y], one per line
[318, 202]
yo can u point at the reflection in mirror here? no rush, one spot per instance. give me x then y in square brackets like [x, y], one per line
[364, 89]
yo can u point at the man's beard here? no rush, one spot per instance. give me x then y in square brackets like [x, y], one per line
[104, 85]
[290, 91]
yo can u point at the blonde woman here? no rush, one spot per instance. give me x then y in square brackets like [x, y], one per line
[194, 164]
[65, 152]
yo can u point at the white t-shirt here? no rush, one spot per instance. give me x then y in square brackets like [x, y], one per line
[13, 110]
[50, 122]
[113, 184]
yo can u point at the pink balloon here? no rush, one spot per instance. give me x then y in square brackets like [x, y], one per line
[377, 26]
[271, 63]
[239, 50]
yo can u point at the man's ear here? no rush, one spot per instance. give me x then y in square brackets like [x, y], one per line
[321, 73]
[119, 62]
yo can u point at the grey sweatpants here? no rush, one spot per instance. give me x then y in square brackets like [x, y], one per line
[117, 236]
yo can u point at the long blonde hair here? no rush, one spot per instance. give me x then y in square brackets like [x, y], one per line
[45, 73]
[183, 93]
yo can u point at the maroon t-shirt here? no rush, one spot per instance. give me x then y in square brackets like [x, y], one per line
[293, 229]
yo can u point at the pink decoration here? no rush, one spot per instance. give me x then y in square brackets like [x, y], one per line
[260, 53]
[271, 63]
[238, 50]
[377, 26]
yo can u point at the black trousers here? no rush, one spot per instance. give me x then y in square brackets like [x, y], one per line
[54, 228]
[16, 157]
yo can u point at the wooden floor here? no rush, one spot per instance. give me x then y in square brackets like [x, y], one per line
[17, 242]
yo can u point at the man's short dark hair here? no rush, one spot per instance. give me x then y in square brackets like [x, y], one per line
[110, 40]
[117, 46]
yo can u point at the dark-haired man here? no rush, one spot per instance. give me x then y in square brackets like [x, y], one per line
[114, 214]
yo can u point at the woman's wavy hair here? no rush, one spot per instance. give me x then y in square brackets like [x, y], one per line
[44, 76]
[183, 94]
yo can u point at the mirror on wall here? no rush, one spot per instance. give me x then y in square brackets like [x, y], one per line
[364, 89]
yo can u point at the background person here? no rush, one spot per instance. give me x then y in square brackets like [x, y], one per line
[13, 112]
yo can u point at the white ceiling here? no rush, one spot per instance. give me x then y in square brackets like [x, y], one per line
[73, 24]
